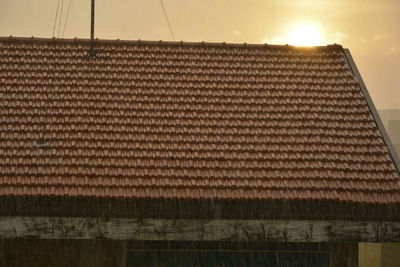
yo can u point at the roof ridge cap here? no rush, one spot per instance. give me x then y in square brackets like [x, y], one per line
[166, 43]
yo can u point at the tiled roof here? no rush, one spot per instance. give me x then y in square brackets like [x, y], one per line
[187, 120]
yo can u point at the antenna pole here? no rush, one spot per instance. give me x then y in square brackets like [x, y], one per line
[92, 52]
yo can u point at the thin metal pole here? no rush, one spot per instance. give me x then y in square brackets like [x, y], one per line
[91, 51]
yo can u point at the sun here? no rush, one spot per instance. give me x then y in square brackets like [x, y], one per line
[305, 34]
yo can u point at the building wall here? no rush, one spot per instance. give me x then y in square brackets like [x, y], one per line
[99, 253]
[379, 254]
[344, 254]
[62, 253]
[370, 255]
[390, 255]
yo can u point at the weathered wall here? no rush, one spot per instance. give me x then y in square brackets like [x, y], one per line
[343, 254]
[62, 253]
[370, 255]
[99, 253]
[316, 231]
[379, 254]
[391, 255]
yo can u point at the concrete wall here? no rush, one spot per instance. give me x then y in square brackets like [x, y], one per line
[390, 255]
[369, 254]
[62, 253]
[379, 255]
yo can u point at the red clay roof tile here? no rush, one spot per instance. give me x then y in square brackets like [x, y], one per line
[187, 121]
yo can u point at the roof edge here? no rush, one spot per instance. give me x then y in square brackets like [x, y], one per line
[372, 108]
[56, 206]
[160, 42]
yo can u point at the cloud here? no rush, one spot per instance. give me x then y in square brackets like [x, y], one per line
[395, 49]
[338, 37]
[379, 37]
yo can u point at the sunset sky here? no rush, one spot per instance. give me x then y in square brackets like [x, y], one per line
[369, 28]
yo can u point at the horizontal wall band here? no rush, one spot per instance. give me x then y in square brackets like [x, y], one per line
[199, 230]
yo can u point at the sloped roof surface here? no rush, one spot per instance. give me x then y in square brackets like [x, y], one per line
[182, 120]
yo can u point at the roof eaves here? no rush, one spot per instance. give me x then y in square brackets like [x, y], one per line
[372, 108]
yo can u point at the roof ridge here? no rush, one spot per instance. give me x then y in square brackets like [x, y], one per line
[166, 43]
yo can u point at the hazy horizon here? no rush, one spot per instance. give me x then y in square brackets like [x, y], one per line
[369, 28]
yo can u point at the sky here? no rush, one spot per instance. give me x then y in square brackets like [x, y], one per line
[369, 28]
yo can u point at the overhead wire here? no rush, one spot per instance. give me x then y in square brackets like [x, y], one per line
[59, 22]
[55, 19]
[66, 19]
[166, 17]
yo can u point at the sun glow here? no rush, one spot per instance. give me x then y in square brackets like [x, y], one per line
[305, 35]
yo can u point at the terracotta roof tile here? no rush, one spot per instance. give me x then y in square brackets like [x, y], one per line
[170, 120]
